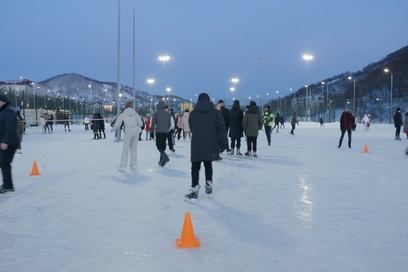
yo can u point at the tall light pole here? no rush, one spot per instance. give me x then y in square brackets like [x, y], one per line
[90, 88]
[118, 65]
[354, 94]
[278, 109]
[307, 57]
[168, 95]
[164, 59]
[262, 60]
[235, 81]
[134, 54]
[232, 89]
[327, 98]
[392, 77]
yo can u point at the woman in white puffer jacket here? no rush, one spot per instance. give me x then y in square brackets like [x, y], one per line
[132, 124]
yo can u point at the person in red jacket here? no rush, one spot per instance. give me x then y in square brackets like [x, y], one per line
[147, 126]
[346, 124]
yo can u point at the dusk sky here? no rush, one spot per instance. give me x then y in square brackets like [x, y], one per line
[209, 42]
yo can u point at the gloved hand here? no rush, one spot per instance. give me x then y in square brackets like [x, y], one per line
[223, 148]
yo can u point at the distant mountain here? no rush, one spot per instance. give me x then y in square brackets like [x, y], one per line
[87, 89]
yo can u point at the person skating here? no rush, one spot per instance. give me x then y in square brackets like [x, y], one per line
[208, 127]
[277, 120]
[132, 122]
[8, 144]
[268, 122]
[346, 124]
[236, 131]
[161, 126]
[321, 121]
[95, 127]
[398, 123]
[293, 123]
[225, 116]
[252, 123]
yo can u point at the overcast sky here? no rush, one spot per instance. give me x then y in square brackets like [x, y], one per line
[209, 42]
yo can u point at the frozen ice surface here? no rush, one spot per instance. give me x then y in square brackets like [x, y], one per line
[302, 205]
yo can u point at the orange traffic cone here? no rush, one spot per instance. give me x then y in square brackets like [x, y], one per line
[187, 238]
[365, 149]
[34, 171]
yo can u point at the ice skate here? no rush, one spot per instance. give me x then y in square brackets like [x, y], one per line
[208, 188]
[192, 195]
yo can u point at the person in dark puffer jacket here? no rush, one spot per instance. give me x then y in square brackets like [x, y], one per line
[8, 144]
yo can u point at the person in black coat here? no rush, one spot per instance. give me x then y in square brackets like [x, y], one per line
[101, 128]
[236, 131]
[8, 143]
[208, 129]
[398, 123]
[346, 124]
[225, 115]
[95, 127]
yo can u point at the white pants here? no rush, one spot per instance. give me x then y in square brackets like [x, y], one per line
[130, 141]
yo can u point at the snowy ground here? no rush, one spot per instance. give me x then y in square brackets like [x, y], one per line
[303, 205]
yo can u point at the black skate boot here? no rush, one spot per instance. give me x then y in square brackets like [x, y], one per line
[162, 160]
[340, 142]
[349, 143]
[192, 195]
[166, 157]
[208, 187]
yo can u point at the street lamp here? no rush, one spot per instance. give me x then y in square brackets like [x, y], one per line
[90, 88]
[354, 94]
[277, 92]
[168, 96]
[232, 89]
[392, 77]
[262, 60]
[327, 98]
[164, 59]
[307, 57]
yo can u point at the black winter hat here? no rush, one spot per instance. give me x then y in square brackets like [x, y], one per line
[236, 103]
[3, 98]
[203, 96]
[252, 103]
[221, 101]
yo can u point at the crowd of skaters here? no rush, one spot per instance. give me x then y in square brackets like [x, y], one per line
[211, 124]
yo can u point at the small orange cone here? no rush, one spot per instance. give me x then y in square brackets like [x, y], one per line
[34, 171]
[365, 149]
[187, 238]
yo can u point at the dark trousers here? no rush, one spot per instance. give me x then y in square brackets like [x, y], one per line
[237, 141]
[66, 124]
[6, 157]
[195, 172]
[161, 141]
[397, 131]
[268, 131]
[86, 126]
[179, 133]
[251, 143]
[277, 127]
[170, 139]
[293, 128]
[342, 136]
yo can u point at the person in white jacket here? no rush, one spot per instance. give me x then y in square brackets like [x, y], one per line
[366, 122]
[132, 124]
